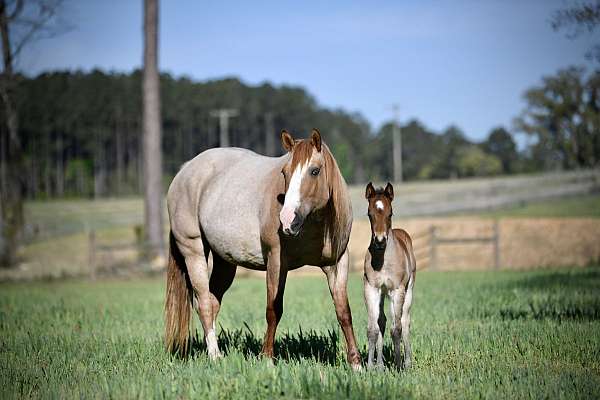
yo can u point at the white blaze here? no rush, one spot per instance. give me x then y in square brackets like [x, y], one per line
[379, 204]
[292, 198]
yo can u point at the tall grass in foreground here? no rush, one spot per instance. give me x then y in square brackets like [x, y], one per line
[475, 334]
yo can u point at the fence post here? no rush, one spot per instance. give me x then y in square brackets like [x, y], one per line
[92, 253]
[432, 247]
[496, 244]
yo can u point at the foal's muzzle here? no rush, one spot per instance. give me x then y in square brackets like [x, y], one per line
[296, 225]
[379, 243]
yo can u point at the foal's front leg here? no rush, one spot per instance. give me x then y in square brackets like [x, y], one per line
[375, 320]
[276, 276]
[396, 308]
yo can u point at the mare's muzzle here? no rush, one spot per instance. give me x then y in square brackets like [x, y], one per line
[295, 226]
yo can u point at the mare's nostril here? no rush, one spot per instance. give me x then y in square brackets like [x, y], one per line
[296, 223]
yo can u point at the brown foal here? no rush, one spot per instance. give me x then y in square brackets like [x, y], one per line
[390, 270]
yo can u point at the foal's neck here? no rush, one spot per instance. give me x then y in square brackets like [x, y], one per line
[378, 256]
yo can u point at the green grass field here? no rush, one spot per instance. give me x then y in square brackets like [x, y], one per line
[474, 334]
[587, 206]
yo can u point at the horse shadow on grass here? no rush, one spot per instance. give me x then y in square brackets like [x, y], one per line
[321, 347]
[567, 279]
[569, 294]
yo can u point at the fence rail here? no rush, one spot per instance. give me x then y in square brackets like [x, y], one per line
[427, 244]
[96, 249]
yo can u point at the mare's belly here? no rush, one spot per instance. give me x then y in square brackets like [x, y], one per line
[231, 226]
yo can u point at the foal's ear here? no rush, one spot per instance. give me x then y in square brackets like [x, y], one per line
[370, 192]
[315, 139]
[287, 141]
[389, 191]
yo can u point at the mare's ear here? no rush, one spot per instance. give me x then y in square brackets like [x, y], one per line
[370, 191]
[315, 139]
[389, 191]
[287, 141]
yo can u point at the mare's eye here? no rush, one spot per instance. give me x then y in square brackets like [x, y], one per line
[315, 171]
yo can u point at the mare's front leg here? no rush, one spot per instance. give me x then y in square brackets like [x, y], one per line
[276, 276]
[337, 278]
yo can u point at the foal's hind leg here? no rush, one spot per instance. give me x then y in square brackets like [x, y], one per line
[220, 281]
[192, 250]
[381, 322]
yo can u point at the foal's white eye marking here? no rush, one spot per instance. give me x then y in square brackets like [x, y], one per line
[379, 205]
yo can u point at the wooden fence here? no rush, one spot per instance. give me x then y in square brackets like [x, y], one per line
[98, 251]
[426, 245]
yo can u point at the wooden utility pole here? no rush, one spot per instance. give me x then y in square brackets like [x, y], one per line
[397, 145]
[152, 134]
[269, 135]
[224, 114]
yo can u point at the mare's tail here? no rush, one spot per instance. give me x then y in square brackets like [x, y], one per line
[178, 305]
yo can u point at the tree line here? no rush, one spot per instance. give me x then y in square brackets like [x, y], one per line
[81, 132]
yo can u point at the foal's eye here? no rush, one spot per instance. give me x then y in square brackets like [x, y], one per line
[315, 171]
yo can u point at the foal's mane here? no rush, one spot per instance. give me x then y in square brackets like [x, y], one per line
[338, 222]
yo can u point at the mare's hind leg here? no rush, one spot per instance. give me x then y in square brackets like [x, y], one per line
[396, 307]
[192, 250]
[220, 281]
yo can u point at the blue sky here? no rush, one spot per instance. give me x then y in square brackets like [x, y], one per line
[444, 62]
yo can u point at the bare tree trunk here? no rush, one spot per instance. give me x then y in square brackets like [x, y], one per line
[189, 142]
[11, 191]
[132, 158]
[33, 173]
[60, 175]
[152, 134]
[99, 170]
[48, 166]
[119, 156]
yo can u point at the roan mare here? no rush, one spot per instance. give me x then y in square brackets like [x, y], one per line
[390, 269]
[264, 213]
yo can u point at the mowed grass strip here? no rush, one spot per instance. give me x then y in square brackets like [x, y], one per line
[474, 334]
[582, 206]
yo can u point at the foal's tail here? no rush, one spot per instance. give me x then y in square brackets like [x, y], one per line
[178, 303]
